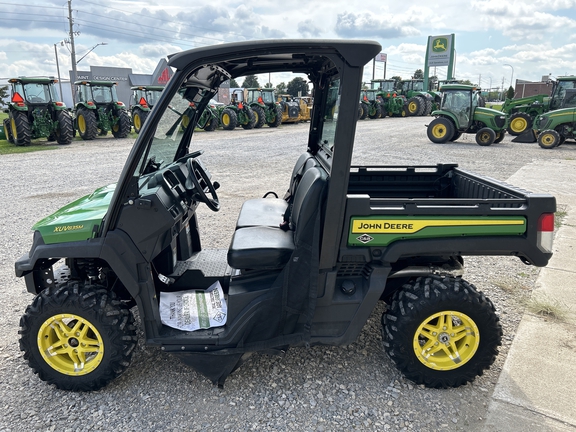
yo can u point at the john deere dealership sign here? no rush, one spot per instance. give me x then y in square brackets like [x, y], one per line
[440, 50]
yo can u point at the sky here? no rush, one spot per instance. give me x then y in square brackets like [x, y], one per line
[496, 41]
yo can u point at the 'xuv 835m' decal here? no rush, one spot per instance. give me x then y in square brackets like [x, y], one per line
[383, 230]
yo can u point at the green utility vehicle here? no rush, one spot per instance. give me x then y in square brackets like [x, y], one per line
[305, 270]
[267, 109]
[143, 100]
[98, 110]
[392, 103]
[419, 100]
[555, 127]
[522, 112]
[460, 113]
[35, 111]
[371, 105]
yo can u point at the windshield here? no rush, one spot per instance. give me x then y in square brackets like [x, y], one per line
[102, 94]
[38, 93]
[386, 86]
[418, 85]
[152, 96]
[268, 97]
[560, 93]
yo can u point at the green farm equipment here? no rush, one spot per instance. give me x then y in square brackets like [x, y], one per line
[144, 98]
[371, 104]
[267, 109]
[394, 104]
[554, 127]
[419, 100]
[238, 113]
[460, 113]
[98, 110]
[35, 111]
[522, 112]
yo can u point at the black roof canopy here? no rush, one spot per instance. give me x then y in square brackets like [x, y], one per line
[294, 55]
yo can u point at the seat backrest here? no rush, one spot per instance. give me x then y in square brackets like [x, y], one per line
[308, 199]
[304, 162]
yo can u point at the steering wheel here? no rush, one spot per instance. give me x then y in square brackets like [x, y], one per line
[195, 174]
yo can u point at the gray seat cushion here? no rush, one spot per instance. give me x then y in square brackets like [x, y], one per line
[260, 247]
[262, 212]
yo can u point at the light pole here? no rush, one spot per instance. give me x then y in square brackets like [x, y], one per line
[512, 75]
[58, 67]
[90, 50]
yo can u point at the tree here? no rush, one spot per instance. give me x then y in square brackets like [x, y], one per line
[298, 87]
[510, 93]
[396, 78]
[418, 74]
[3, 95]
[281, 88]
[268, 85]
[251, 81]
[234, 83]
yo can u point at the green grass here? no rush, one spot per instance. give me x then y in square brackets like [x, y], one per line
[546, 306]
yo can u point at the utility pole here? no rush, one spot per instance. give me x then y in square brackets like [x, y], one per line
[73, 51]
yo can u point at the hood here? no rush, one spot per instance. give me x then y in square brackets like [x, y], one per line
[79, 220]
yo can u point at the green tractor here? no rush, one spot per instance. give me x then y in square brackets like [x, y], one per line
[267, 109]
[419, 100]
[554, 127]
[144, 98]
[35, 111]
[237, 113]
[460, 112]
[523, 111]
[371, 104]
[394, 104]
[99, 111]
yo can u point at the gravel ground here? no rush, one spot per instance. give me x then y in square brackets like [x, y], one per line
[316, 389]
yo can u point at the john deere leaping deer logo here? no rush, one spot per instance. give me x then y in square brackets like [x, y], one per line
[440, 45]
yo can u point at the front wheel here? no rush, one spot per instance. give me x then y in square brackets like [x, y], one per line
[441, 331]
[549, 139]
[121, 128]
[485, 136]
[519, 122]
[500, 136]
[440, 130]
[228, 119]
[78, 337]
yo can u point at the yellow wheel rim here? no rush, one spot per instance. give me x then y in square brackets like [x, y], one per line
[70, 344]
[484, 137]
[446, 340]
[81, 124]
[225, 119]
[439, 131]
[548, 139]
[412, 107]
[518, 125]
[116, 126]
[14, 129]
[137, 123]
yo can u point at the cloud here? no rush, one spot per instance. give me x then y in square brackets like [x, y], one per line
[308, 29]
[353, 25]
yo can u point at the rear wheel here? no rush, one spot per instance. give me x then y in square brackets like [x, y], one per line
[139, 116]
[441, 332]
[211, 124]
[485, 136]
[65, 131]
[549, 139]
[228, 119]
[440, 130]
[259, 116]
[455, 136]
[121, 128]
[377, 112]
[77, 337]
[363, 111]
[519, 122]
[20, 128]
[86, 122]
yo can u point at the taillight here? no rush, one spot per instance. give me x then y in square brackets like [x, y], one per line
[545, 236]
[90, 103]
[59, 103]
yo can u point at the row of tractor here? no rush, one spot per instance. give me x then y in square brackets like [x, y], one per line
[35, 110]
[548, 120]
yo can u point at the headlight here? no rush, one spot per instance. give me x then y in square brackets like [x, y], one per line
[542, 121]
